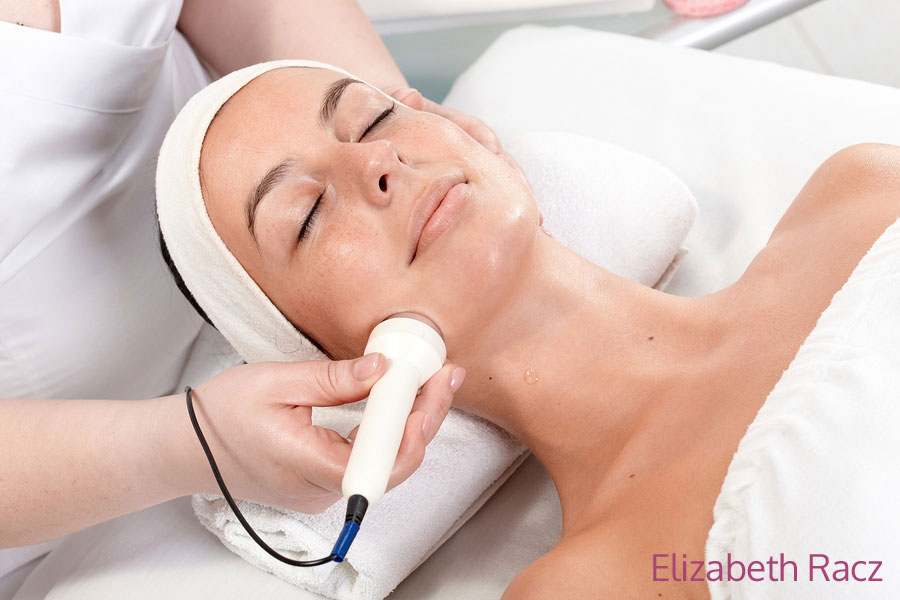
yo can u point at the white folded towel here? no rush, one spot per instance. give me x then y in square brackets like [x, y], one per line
[617, 208]
[465, 458]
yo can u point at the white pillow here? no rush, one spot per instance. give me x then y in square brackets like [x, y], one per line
[617, 208]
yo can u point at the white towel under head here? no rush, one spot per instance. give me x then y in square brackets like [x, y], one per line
[617, 208]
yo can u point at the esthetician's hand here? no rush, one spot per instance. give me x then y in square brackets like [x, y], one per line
[474, 126]
[257, 420]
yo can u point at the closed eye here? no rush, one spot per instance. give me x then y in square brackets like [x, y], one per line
[378, 119]
[311, 217]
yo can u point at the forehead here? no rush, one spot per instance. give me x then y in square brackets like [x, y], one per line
[267, 103]
[279, 88]
[256, 125]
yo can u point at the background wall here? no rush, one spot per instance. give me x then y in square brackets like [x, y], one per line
[850, 38]
[859, 39]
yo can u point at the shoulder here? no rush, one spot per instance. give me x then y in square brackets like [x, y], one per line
[845, 205]
[872, 160]
[862, 178]
[868, 167]
[546, 577]
[582, 568]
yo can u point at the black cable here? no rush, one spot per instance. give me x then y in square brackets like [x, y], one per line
[337, 557]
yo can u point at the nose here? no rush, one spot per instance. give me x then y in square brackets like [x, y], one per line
[381, 171]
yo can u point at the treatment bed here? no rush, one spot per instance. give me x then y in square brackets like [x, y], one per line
[743, 135]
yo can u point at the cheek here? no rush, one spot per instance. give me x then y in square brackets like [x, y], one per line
[484, 260]
[352, 285]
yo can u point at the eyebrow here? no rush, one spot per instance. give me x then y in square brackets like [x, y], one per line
[277, 174]
[331, 97]
[272, 178]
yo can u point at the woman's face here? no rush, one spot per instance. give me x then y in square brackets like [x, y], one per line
[352, 267]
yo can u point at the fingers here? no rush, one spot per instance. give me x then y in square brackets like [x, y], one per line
[411, 452]
[484, 135]
[335, 382]
[326, 454]
[411, 97]
[437, 397]
[434, 402]
[332, 382]
[475, 127]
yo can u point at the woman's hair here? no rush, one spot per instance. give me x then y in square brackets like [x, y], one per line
[190, 297]
[184, 288]
[177, 277]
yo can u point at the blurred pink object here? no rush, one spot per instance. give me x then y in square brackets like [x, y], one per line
[703, 8]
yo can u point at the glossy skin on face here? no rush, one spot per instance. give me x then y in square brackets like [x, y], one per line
[351, 270]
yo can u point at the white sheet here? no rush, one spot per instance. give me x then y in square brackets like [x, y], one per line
[744, 135]
[815, 478]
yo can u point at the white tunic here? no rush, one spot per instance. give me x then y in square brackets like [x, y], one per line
[88, 308]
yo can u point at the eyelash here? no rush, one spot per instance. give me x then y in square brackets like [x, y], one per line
[378, 119]
[311, 219]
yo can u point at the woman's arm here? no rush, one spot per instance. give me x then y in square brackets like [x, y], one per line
[68, 464]
[230, 35]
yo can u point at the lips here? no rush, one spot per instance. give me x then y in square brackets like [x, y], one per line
[427, 204]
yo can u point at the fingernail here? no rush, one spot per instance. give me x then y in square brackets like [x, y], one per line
[365, 366]
[456, 379]
[426, 426]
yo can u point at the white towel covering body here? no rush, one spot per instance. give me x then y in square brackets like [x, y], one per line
[815, 479]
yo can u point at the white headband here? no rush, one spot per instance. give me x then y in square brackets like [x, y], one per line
[227, 294]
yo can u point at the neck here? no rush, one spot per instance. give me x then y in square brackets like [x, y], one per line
[577, 358]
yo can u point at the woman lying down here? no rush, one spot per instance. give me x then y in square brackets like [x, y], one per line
[633, 399]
